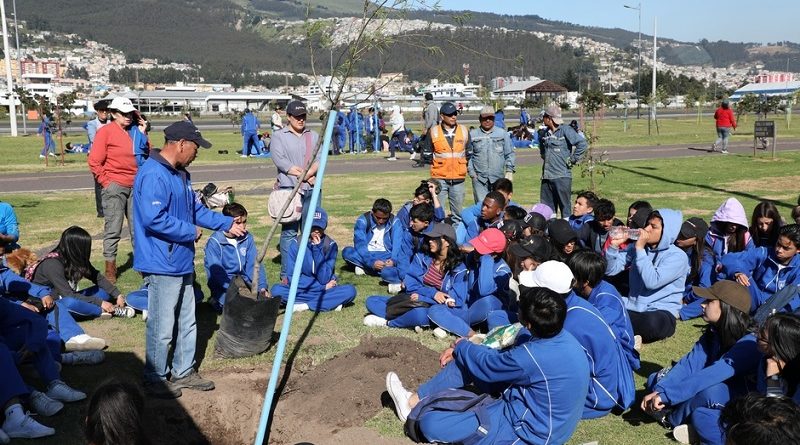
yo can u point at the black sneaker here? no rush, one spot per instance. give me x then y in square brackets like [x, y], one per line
[163, 389]
[193, 381]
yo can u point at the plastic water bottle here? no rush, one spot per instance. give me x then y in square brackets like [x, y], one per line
[622, 231]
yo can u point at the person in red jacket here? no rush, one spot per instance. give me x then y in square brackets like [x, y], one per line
[725, 122]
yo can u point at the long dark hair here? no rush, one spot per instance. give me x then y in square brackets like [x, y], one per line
[698, 250]
[115, 415]
[454, 255]
[765, 209]
[74, 250]
[732, 325]
[783, 338]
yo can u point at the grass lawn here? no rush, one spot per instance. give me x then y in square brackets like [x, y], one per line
[692, 185]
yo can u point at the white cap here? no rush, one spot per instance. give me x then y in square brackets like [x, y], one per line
[121, 104]
[553, 275]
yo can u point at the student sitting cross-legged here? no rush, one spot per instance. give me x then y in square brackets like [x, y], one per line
[543, 381]
[376, 244]
[318, 288]
[227, 256]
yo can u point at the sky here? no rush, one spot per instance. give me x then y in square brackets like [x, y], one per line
[685, 20]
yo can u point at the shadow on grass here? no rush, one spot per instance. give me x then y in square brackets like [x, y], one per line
[648, 368]
[127, 265]
[207, 324]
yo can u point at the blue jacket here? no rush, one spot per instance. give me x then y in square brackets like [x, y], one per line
[577, 222]
[455, 283]
[13, 285]
[705, 276]
[355, 121]
[500, 119]
[761, 266]
[224, 260]
[166, 213]
[250, 123]
[362, 235]
[478, 225]
[561, 150]
[547, 378]
[141, 146]
[8, 221]
[716, 244]
[705, 366]
[492, 154]
[409, 246]
[403, 216]
[319, 264]
[657, 276]
[608, 302]
[489, 277]
[524, 117]
[611, 375]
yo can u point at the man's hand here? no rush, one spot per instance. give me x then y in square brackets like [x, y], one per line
[310, 181]
[414, 296]
[30, 307]
[238, 228]
[330, 284]
[120, 300]
[510, 176]
[652, 402]
[315, 238]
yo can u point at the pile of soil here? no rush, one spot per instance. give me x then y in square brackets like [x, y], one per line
[324, 405]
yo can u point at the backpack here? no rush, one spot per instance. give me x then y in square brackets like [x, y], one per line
[776, 303]
[453, 400]
[212, 196]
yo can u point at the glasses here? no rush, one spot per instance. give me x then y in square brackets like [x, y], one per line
[449, 115]
[301, 117]
[487, 118]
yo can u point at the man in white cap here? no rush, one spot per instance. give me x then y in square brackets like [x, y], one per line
[561, 148]
[492, 155]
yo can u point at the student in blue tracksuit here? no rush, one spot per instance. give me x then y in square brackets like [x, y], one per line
[489, 275]
[227, 255]
[436, 276]
[318, 289]
[588, 268]
[582, 210]
[767, 270]
[491, 214]
[721, 366]
[355, 123]
[141, 144]
[692, 240]
[46, 131]
[424, 193]
[413, 238]
[779, 342]
[541, 379]
[9, 228]
[249, 128]
[471, 213]
[340, 132]
[376, 249]
[657, 274]
[524, 117]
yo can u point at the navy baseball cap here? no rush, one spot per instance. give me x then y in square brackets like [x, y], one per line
[296, 108]
[448, 108]
[187, 131]
[320, 219]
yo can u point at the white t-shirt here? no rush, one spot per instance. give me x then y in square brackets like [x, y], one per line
[376, 243]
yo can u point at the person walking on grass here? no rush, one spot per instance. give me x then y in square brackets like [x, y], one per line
[726, 122]
[167, 216]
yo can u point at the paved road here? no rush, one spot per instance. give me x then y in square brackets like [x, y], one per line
[263, 170]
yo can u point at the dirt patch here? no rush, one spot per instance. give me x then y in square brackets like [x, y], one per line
[328, 404]
[774, 184]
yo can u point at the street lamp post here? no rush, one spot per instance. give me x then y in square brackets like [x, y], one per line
[639, 67]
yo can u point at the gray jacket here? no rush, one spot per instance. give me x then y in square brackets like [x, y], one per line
[289, 149]
[560, 150]
[431, 116]
[492, 154]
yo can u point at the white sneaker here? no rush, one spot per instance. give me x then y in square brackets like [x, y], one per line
[685, 434]
[144, 315]
[413, 156]
[59, 390]
[724, 152]
[84, 342]
[300, 307]
[44, 405]
[244, 156]
[125, 312]
[440, 333]
[41, 156]
[395, 288]
[374, 321]
[4, 437]
[400, 395]
[419, 329]
[637, 342]
[83, 357]
[24, 427]
[391, 158]
[52, 155]
[360, 271]
[338, 308]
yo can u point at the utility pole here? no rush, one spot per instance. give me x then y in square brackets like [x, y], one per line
[12, 107]
[639, 67]
[653, 104]
[19, 68]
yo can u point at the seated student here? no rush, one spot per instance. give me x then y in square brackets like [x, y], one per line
[9, 228]
[421, 222]
[728, 232]
[779, 368]
[115, 415]
[563, 238]
[764, 270]
[491, 214]
[502, 185]
[719, 368]
[593, 234]
[19, 423]
[582, 209]
[760, 420]
[437, 275]
[67, 265]
[489, 275]
[765, 224]
[227, 256]
[534, 224]
[542, 380]
[376, 245]
[658, 270]
[318, 289]
[692, 239]
[633, 209]
[589, 268]
[514, 213]
[426, 192]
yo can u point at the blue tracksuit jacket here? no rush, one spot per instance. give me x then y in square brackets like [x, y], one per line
[223, 260]
[608, 302]
[319, 264]
[250, 124]
[141, 147]
[577, 222]
[766, 278]
[362, 235]
[455, 283]
[403, 216]
[489, 277]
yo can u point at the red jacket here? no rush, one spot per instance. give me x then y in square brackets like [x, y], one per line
[724, 117]
[111, 158]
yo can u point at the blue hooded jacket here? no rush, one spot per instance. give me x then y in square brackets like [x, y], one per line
[319, 264]
[362, 235]
[455, 283]
[489, 276]
[223, 260]
[250, 123]
[608, 302]
[141, 146]
[166, 213]
[657, 275]
[766, 278]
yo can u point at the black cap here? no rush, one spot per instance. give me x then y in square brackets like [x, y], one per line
[694, 228]
[101, 105]
[448, 108]
[296, 108]
[442, 229]
[533, 246]
[560, 231]
[187, 131]
[535, 221]
[512, 229]
[428, 96]
[639, 219]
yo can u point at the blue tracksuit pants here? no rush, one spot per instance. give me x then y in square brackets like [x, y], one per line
[388, 274]
[60, 319]
[137, 299]
[318, 300]
[376, 305]
[11, 385]
[459, 320]
[84, 308]
[14, 334]
[250, 144]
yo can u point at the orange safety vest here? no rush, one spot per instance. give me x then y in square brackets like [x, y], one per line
[449, 163]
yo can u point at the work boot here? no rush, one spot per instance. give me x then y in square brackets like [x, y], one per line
[111, 271]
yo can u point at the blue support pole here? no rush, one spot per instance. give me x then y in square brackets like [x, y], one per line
[375, 130]
[298, 265]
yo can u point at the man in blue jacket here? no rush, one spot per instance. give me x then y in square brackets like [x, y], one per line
[166, 218]
[561, 149]
[492, 154]
[356, 126]
[376, 244]
[250, 126]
